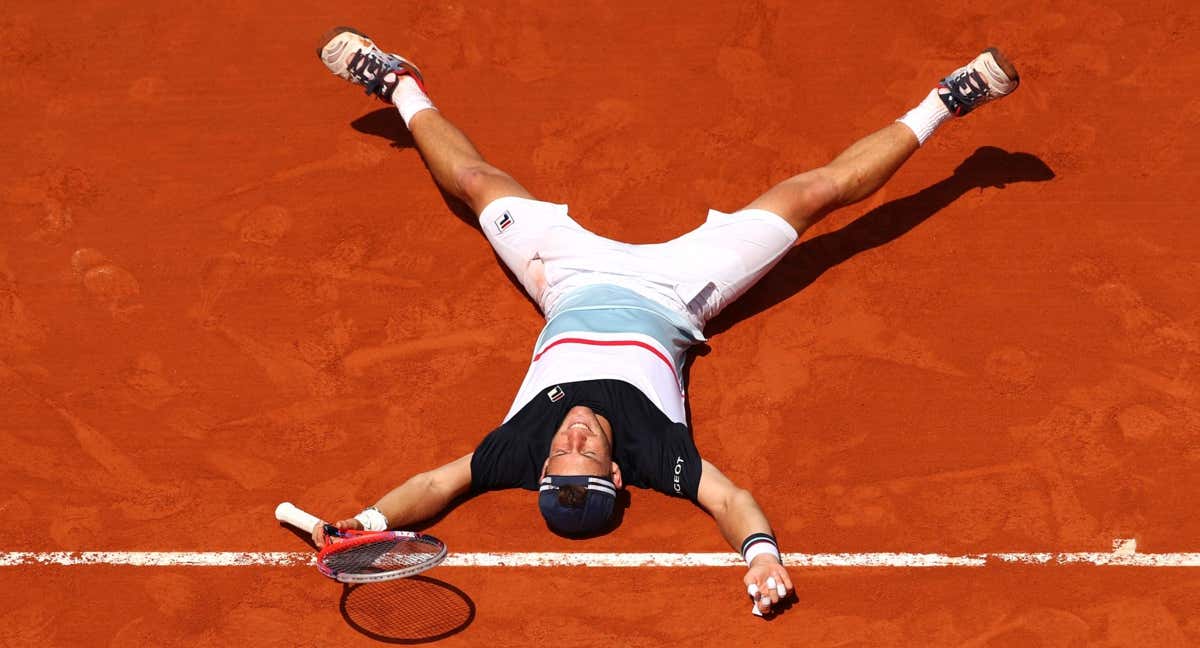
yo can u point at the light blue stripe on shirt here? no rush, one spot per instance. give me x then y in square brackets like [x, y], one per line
[605, 308]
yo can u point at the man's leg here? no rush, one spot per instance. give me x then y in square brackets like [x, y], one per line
[515, 230]
[455, 163]
[864, 167]
[858, 172]
[719, 261]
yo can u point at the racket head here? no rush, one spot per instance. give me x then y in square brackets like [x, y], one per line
[373, 556]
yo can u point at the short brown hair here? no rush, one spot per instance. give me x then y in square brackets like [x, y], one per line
[572, 495]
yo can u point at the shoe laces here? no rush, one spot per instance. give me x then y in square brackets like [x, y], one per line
[367, 65]
[967, 85]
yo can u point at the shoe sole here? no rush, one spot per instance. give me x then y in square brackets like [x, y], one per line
[332, 33]
[1006, 66]
[408, 66]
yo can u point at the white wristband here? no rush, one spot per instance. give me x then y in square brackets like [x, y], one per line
[372, 519]
[759, 548]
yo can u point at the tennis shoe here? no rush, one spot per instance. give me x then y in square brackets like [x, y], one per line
[351, 55]
[986, 78]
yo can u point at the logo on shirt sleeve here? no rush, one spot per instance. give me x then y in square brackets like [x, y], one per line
[556, 394]
[504, 222]
[678, 472]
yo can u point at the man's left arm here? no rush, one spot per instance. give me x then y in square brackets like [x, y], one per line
[742, 522]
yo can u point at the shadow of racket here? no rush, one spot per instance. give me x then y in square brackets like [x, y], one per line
[411, 610]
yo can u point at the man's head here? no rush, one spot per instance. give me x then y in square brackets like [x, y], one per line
[579, 480]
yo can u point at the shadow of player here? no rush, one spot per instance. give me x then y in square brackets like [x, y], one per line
[988, 166]
[385, 123]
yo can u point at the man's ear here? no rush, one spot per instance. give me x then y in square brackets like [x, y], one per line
[616, 476]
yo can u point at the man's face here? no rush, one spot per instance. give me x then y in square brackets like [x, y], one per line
[582, 446]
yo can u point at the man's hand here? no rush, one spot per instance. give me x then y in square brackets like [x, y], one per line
[421, 497]
[321, 539]
[767, 582]
[739, 517]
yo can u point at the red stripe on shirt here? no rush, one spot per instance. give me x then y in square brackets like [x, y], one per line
[635, 343]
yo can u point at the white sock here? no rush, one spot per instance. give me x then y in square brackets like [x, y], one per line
[410, 99]
[926, 117]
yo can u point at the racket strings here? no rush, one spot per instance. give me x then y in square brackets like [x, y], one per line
[381, 556]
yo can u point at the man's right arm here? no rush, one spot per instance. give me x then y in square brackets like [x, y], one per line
[421, 497]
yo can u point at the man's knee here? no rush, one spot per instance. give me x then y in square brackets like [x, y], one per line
[475, 179]
[480, 184]
[802, 200]
[820, 189]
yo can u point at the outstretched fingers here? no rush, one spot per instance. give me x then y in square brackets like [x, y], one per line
[767, 583]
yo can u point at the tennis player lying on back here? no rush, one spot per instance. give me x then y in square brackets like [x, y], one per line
[602, 405]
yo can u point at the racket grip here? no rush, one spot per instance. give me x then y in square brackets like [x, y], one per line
[287, 512]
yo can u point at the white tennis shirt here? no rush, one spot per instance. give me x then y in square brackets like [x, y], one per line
[609, 332]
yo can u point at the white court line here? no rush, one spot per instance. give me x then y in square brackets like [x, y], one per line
[1124, 554]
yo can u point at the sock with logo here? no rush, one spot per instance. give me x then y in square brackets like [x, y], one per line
[926, 117]
[410, 99]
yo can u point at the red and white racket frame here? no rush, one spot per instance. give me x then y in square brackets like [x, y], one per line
[350, 538]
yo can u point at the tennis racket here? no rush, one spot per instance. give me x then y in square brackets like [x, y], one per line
[367, 556]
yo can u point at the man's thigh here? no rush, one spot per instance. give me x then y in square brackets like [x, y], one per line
[719, 261]
[520, 229]
[702, 271]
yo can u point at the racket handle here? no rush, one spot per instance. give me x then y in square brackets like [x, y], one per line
[287, 512]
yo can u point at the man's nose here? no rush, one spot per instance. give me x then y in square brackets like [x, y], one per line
[576, 437]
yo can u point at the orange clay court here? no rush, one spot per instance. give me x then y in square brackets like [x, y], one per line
[227, 280]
